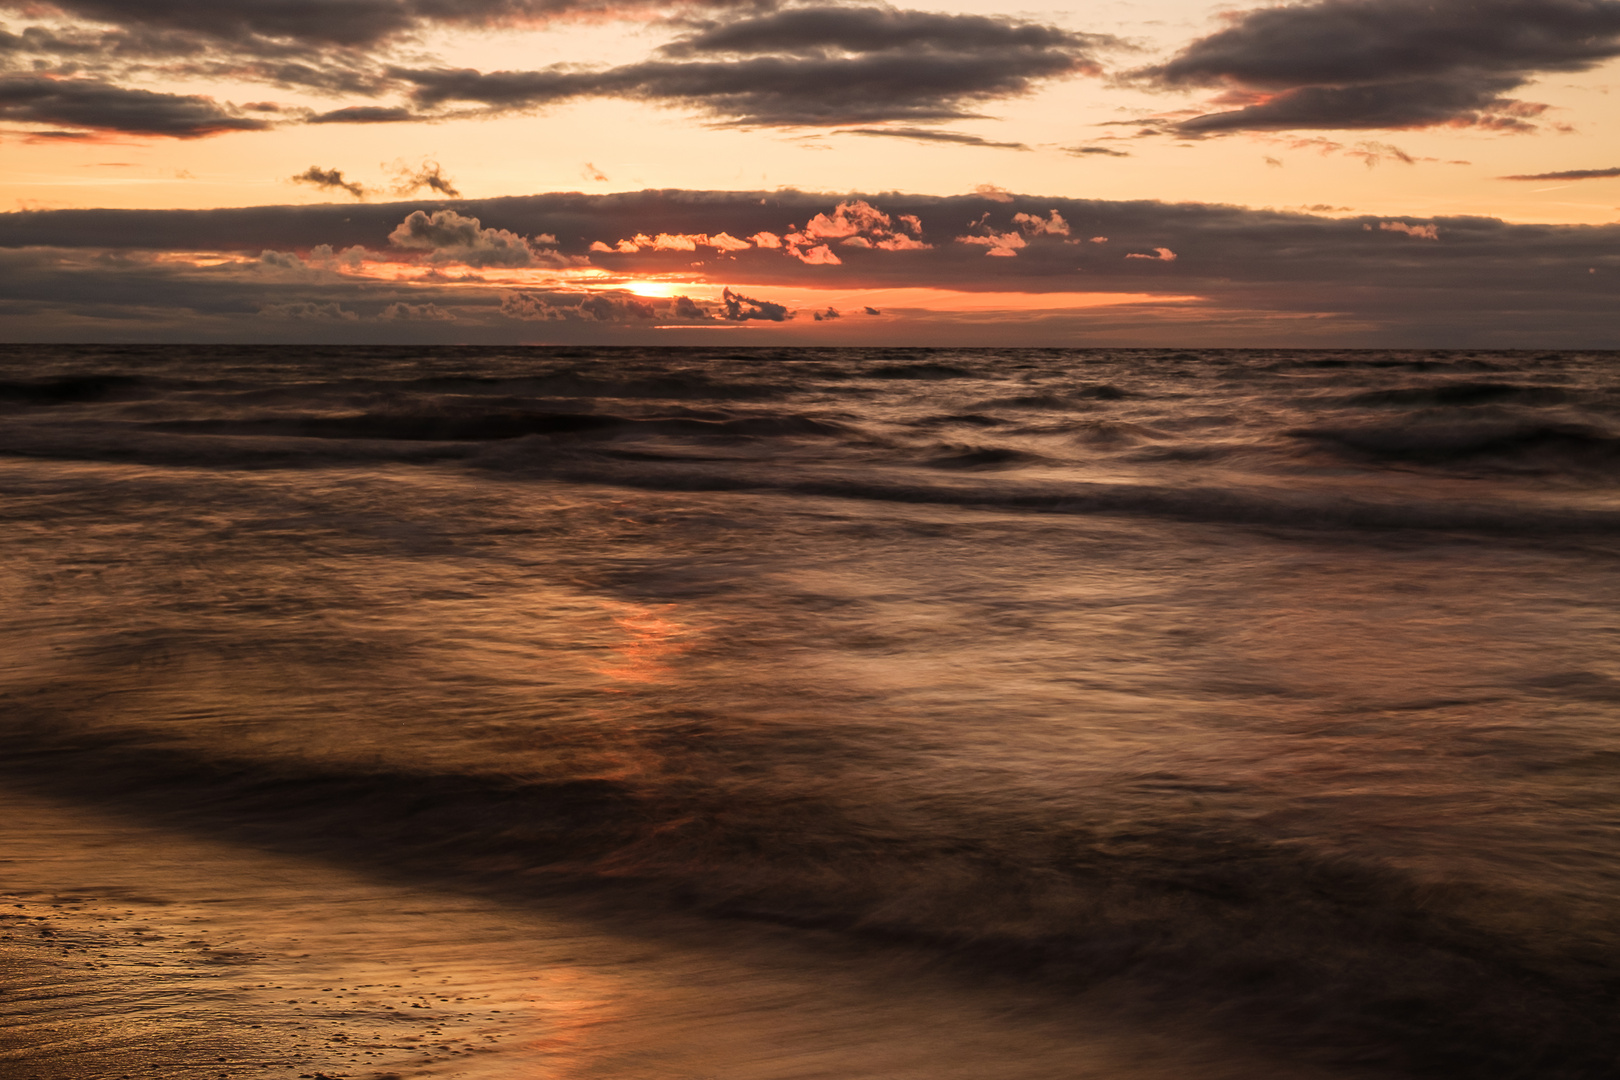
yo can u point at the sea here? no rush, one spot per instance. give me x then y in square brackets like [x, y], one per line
[808, 714]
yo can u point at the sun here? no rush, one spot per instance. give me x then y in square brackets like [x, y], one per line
[663, 289]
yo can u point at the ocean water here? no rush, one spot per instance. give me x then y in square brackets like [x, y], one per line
[758, 714]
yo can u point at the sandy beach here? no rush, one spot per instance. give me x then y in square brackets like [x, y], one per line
[127, 951]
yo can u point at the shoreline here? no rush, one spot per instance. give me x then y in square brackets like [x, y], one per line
[177, 956]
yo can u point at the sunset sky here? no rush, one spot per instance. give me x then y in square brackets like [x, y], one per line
[1160, 172]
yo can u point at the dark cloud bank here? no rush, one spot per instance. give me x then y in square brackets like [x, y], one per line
[1347, 64]
[808, 65]
[275, 26]
[802, 66]
[1262, 277]
[1332, 64]
[92, 104]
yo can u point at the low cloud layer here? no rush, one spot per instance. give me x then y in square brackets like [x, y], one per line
[763, 257]
[1362, 64]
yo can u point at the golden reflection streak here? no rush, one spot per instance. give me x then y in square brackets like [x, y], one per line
[653, 639]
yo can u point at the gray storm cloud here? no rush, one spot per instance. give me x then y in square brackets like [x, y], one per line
[99, 106]
[815, 64]
[803, 66]
[279, 26]
[1363, 64]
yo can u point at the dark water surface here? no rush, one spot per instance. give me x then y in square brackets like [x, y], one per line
[816, 713]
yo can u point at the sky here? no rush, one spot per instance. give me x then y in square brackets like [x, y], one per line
[1364, 173]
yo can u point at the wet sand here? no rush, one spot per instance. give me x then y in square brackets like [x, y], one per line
[131, 951]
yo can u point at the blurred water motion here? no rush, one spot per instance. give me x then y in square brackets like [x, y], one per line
[833, 713]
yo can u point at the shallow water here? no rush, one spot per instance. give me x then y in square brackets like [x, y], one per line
[1113, 713]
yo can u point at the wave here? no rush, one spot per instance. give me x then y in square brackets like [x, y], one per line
[1060, 401]
[591, 449]
[1358, 963]
[481, 427]
[984, 458]
[1462, 394]
[1327, 510]
[927, 371]
[70, 389]
[973, 419]
[1547, 446]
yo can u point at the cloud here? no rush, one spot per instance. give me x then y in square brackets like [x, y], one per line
[813, 66]
[1005, 244]
[721, 242]
[1160, 254]
[827, 316]
[959, 138]
[429, 312]
[364, 114]
[350, 258]
[627, 308]
[1371, 152]
[101, 106]
[726, 242]
[104, 272]
[1095, 151]
[820, 30]
[448, 237]
[276, 26]
[618, 307]
[329, 178]
[1375, 152]
[1035, 225]
[332, 46]
[1285, 277]
[1362, 64]
[308, 311]
[740, 308]
[854, 223]
[1567, 174]
[428, 175]
[1422, 232]
[282, 260]
[817, 64]
[138, 47]
[591, 172]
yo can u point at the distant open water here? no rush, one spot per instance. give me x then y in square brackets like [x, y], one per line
[1278, 690]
